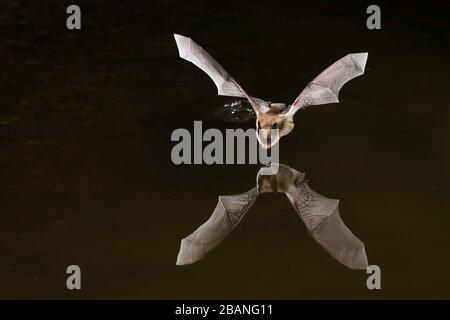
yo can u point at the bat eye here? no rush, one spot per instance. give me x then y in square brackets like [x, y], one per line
[274, 126]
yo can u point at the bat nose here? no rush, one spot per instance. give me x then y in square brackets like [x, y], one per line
[267, 137]
[264, 138]
[265, 133]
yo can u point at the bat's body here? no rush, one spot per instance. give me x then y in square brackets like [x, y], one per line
[319, 214]
[323, 89]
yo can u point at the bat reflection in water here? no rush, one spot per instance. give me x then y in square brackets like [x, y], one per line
[319, 214]
[323, 89]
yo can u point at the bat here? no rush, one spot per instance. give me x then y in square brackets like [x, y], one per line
[319, 214]
[274, 120]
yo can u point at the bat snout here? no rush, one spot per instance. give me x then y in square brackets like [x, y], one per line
[267, 138]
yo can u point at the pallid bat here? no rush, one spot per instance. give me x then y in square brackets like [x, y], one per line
[274, 120]
[319, 214]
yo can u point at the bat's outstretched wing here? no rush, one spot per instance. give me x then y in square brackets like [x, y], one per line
[226, 85]
[229, 211]
[323, 222]
[325, 87]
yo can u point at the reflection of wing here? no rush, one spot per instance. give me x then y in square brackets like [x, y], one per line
[229, 211]
[323, 222]
[325, 87]
[226, 85]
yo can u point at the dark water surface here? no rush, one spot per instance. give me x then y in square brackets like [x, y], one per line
[86, 176]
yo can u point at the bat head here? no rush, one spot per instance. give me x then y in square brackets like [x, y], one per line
[271, 126]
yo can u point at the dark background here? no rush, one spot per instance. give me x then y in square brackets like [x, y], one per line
[86, 176]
